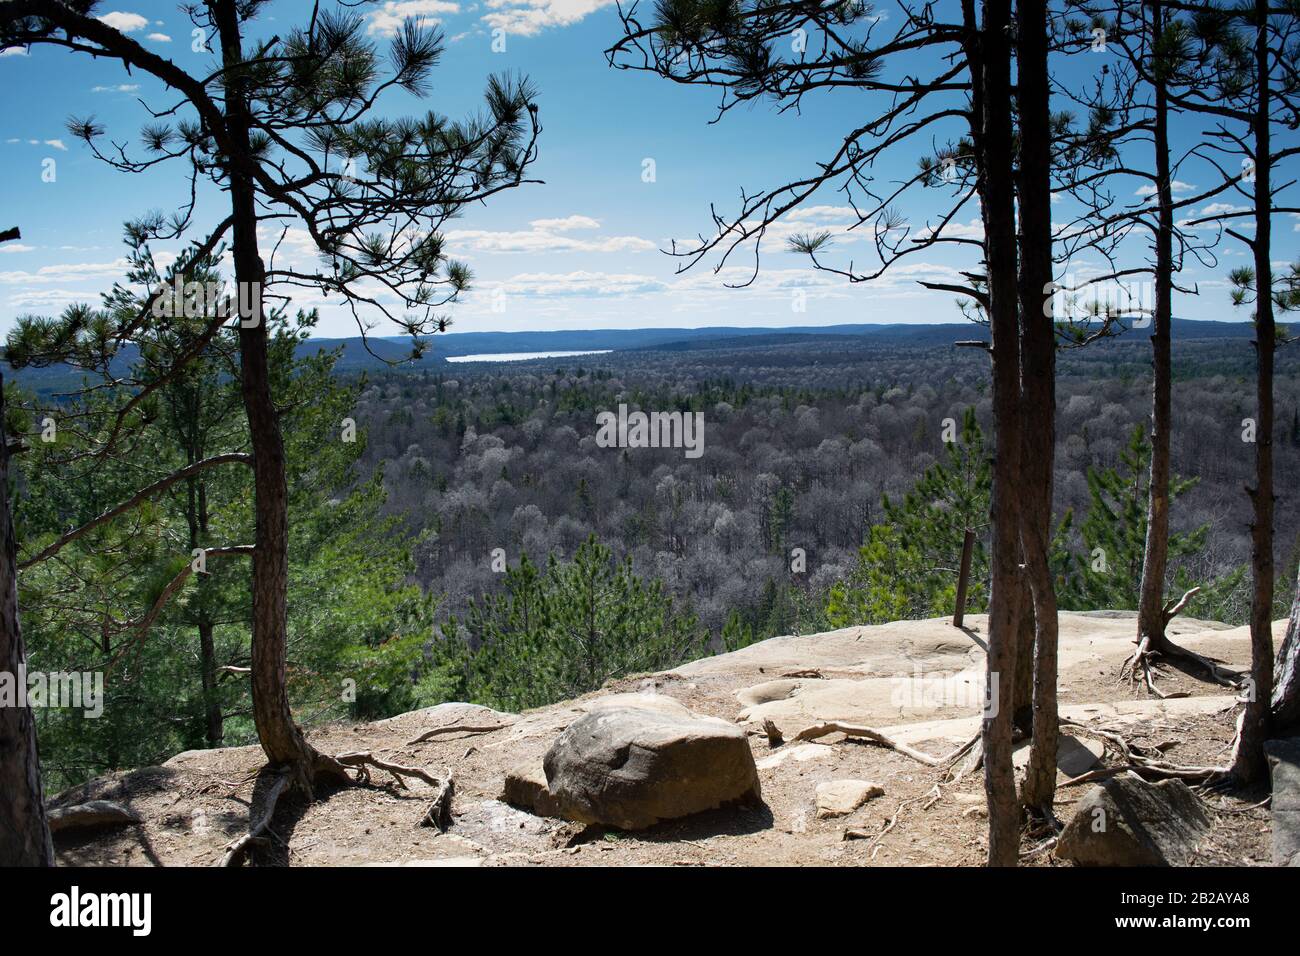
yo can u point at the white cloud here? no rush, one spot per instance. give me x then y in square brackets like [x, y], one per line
[14, 51]
[6, 247]
[565, 224]
[1219, 208]
[125, 22]
[529, 17]
[119, 88]
[539, 240]
[387, 21]
[1177, 186]
[56, 143]
[582, 283]
[72, 272]
[159, 38]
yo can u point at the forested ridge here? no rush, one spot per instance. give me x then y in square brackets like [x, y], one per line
[799, 456]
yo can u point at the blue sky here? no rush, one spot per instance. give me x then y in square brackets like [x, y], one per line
[583, 250]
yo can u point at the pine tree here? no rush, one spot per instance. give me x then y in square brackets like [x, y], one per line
[564, 632]
[908, 566]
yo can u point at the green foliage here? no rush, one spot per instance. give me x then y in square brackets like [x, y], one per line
[357, 628]
[783, 608]
[559, 633]
[909, 565]
[1108, 573]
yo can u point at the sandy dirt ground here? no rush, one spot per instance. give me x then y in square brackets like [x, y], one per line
[918, 681]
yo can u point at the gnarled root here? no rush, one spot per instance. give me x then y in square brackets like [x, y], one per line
[1141, 667]
[876, 737]
[336, 769]
[1146, 762]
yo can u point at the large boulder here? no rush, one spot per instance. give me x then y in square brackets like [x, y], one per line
[634, 760]
[1284, 767]
[1126, 821]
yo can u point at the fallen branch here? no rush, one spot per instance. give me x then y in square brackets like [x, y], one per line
[876, 737]
[93, 813]
[455, 728]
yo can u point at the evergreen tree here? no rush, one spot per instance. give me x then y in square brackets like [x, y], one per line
[909, 564]
[564, 632]
[1108, 574]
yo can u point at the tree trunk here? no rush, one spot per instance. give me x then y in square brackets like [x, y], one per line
[1248, 763]
[1286, 690]
[1038, 388]
[1022, 718]
[24, 832]
[1151, 616]
[963, 577]
[213, 721]
[994, 149]
[276, 730]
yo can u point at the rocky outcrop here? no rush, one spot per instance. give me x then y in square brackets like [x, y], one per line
[635, 760]
[1126, 821]
[1284, 767]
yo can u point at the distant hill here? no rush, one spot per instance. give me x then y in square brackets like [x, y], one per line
[380, 353]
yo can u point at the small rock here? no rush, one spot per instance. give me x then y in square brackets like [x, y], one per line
[799, 752]
[525, 787]
[838, 798]
[1073, 756]
[1126, 821]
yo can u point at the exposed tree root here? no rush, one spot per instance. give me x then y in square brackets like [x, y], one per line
[876, 737]
[1141, 667]
[439, 815]
[1146, 762]
[774, 738]
[89, 815]
[336, 769]
[236, 850]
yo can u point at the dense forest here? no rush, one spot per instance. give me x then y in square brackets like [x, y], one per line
[798, 456]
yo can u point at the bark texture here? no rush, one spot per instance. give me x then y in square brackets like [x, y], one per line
[1038, 389]
[1155, 560]
[24, 831]
[994, 150]
[1248, 762]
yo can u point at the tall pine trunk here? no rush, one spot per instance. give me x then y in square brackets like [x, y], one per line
[280, 737]
[1038, 388]
[1248, 762]
[994, 149]
[24, 832]
[1155, 561]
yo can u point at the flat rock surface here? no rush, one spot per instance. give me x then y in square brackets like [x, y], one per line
[905, 679]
